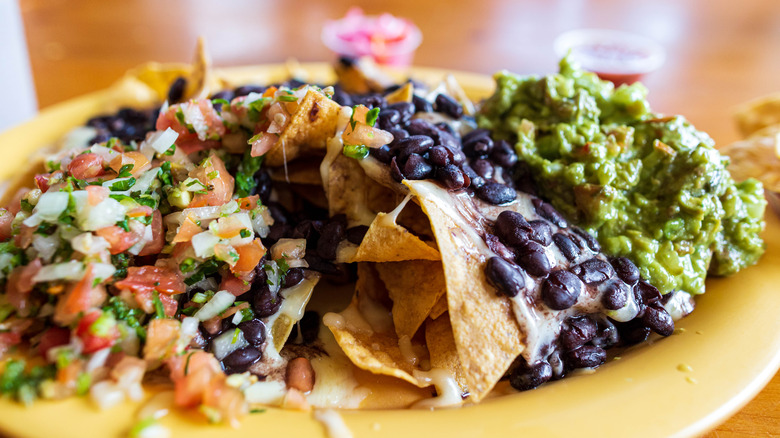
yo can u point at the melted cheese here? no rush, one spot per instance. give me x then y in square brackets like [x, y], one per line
[333, 423]
[447, 388]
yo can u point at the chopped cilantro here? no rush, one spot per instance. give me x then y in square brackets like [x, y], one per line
[170, 151]
[26, 205]
[120, 261]
[356, 151]
[123, 185]
[208, 267]
[123, 224]
[83, 382]
[21, 384]
[287, 98]
[52, 165]
[132, 317]
[219, 102]
[187, 265]
[245, 233]
[164, 174]
[256, 107]
[159, 310]
[257, 411]
[245, 176]
[236, 332]
[371, 116]
[125, 170]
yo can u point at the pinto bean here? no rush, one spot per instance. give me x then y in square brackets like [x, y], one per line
[300, 374]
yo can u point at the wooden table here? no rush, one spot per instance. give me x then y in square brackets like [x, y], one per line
[719, 54]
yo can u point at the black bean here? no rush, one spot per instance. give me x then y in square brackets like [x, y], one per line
[293, 277]
[566, 245]
[633, 332]
[658, 320]
[483, 168]
[451, 177]
[647, 292]
[607, 335]
[382, 153]
[548, 212]
[415, 144]
[496, 193]
[263, 186]
[504, 276]
[532, 257]
[224, 94]
[594, 270]
[405, 109]
[341, 97]
[446, 128]
[499, 248]
[417, 168]
[591, 241]
[447, 105]
[615, 294]
[503, 154]
[254, 332]
[512, 228]
[422, 127]
[265, 303]
[421, 105]
[439, 156]
[561, 290]
[176, 90]
[331, 235]
[319, 264]
[310, 326]
[355, 234]
[578, 331]
[586, 356]
[626, 269]
[246, 89]
[395, 172]
[479, 147]
[524, 377]
[372, 100]
[448, 140]
[239, 360]
[388, 118]
[475, 181]
[475, 134]
[398, 133]
[541, 232]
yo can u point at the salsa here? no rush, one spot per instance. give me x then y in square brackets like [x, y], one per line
[649, 187]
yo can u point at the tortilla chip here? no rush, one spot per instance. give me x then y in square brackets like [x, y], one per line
[370, 343]
[309, 129]
[415, 287]
[442, 349]
[439, 308]
[295, 300]
[486, 334]
[386, 241]
[345, 188]
[403, 94]
[198, 80]
[758, 114]
[362, 76]
[298, 172]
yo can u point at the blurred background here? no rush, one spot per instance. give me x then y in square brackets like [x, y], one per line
[719, 53]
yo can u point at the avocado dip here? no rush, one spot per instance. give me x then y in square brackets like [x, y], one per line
[649, 187]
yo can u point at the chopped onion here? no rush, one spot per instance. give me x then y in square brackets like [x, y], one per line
[264, 144]
[148, 236]
[216, 305]
[274, 278]
[161, 141]
[108, 212]
[49, 208]
[227, 343]
[194, 116]
[106, 394]
[625, 313]
[269, 392]
[78, 137]
[262, 221]
[89, 244]
[97, 360]
[72, 270]
[106, 153]
[203, 244]
[288, 248]
[46, 246]
[103, 270]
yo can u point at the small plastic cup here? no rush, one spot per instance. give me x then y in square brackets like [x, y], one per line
[616, 56]
[387, 39]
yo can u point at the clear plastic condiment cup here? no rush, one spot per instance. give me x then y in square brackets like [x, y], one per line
[620, 57]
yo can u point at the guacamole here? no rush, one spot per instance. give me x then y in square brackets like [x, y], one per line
[648, 187]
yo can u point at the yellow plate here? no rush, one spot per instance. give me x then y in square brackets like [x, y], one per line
[731, 343]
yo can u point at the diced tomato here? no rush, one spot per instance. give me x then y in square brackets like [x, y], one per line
[97, 330]
[53, 337]
[234, 285]
[20, 284]
[24, 238]
[118, 239]
[161, 334]
[82, 296]
[15, 206]
[42, 181]
[227, 400]
[86, 166]
[138, 160]
[151, 278]
[155, 246]
[8, 340]
[140, 211]
[205, 132]
[269, 92]
[248, 203]
[187, 229]
[217, 179]
[145, 300]
[96, 194]
[6, 219]
[249, 256]
[191, 374]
